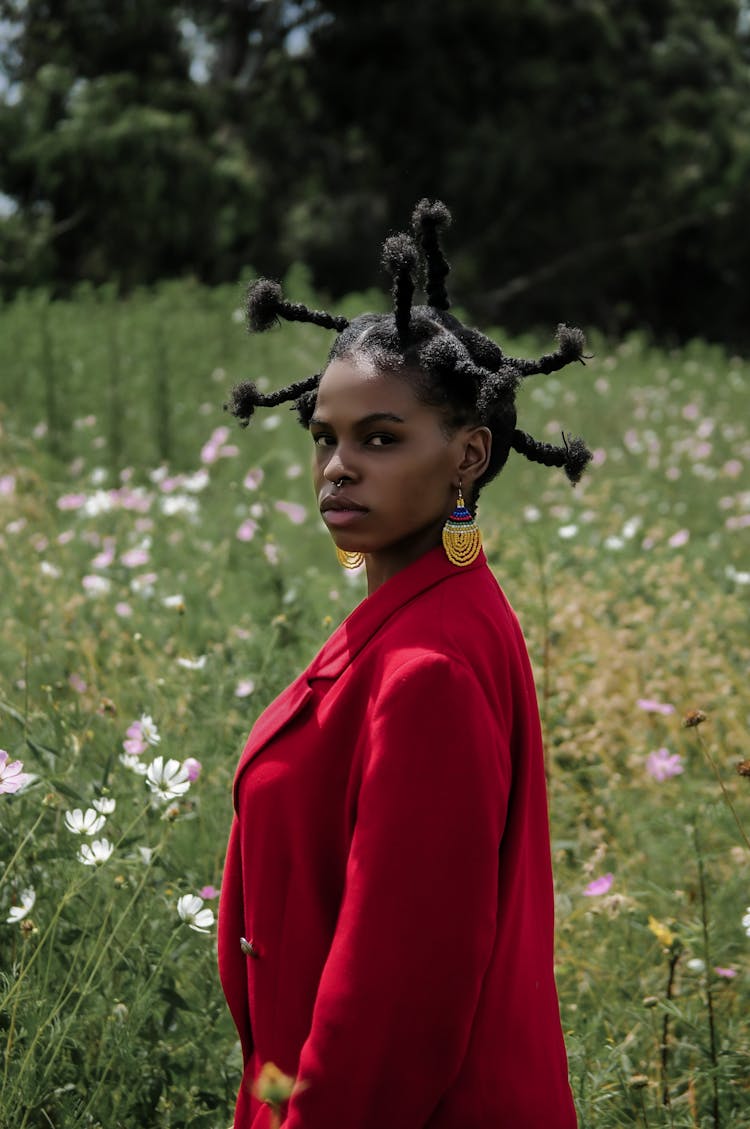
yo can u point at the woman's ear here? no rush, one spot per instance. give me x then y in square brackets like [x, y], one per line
[475, 450]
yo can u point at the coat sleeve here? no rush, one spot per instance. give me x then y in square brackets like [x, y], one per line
[399, 989]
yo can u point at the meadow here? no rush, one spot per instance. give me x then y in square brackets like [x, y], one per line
[165, 574]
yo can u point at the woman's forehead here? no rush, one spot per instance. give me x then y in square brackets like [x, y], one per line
[350, 389]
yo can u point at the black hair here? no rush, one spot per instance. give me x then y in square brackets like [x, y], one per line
[452, 366]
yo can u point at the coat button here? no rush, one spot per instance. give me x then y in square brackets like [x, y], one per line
[249, 948]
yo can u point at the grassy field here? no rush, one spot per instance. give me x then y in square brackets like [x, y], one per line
[161, 564]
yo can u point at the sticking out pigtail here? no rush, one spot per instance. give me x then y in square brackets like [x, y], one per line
[429, 219]
[572, 457]
[265, 304]
[400, 260]
[571, 344]
[245, 397]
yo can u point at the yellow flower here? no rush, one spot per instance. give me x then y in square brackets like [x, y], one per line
[663, 935]
[272, 1085]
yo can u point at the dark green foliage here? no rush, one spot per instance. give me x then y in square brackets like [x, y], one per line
[594, 150]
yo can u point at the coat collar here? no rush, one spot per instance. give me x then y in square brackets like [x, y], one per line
[369, 616]
[346, 643]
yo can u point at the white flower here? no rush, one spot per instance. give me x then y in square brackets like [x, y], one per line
[97, 853]
[149, 732]
[100, 502]
[695, 964]
[18, 913]
[167, 780]
[84, 823]
[193, 664]
[105, 804]
[746, 922]
[134, 762]
[173, 602]
[146, 854]
[189, 907]
[567, 531]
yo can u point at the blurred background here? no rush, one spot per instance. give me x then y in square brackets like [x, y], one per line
[595, 153]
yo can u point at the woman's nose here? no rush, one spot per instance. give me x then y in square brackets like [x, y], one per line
[338, 466]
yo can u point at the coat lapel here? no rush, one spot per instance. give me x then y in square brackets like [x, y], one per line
[346, 642]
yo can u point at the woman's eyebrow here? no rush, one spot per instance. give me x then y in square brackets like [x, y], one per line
[373, 417]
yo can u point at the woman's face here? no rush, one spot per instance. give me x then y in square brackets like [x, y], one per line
[397, 466]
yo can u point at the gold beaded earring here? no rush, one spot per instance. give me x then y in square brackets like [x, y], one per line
[462, 540]
[350, 560]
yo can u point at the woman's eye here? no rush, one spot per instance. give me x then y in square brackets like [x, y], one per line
[380, 440]
[323, 440]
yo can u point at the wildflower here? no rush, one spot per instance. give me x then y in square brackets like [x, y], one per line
[650, 706]
[293, 511]
[601, 885]
[95, 854]
[7, 485]
[18, 913]
[193, 768]
[84, 823]
[746, 922]
[247, 530]
[48, 569]
[693, 718]
[678, 539]
[96, 585]
[695, 964]
[175, 602]
[663, 935]
[726, 973]
[271, 553]
[567, 531]
[146, 853]
[167, 780]
[136, 557]
[192, 664]
[662, 764]
[209, 892]
[131, 761]
[293, 471]
[148, 729]
[77, 684]
[743, 768]
[244, 688]
[12, 779]
[105, 805]
[123, 609]
[272, 1086]
[190, 908]
[253, 479]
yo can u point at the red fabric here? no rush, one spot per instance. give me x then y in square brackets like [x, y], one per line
[389, 858]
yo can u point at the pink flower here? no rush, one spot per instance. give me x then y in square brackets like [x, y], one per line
[7, 485]
[209, 892]
[228, 451]
[727, 973]
[193, 768]
[732, 468]
[11, 777]
[650, 706]
[247, 530]
[123, 609]
[691, 411]
[134, 558]
[253, 479]
[293, 511]
[599, 886]
[271, 553]
[77, 683]
[71, 501]
[662, 764]
[678, 539]
[244, 688]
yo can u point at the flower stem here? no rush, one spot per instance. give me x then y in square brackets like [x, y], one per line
[709, 994]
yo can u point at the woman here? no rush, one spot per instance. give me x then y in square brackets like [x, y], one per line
[385, 931]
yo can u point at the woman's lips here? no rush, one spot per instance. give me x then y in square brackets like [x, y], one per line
[343, 517]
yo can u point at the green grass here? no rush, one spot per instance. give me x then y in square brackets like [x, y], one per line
[633, 586]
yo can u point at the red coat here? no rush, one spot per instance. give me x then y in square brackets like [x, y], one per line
[389, 861]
